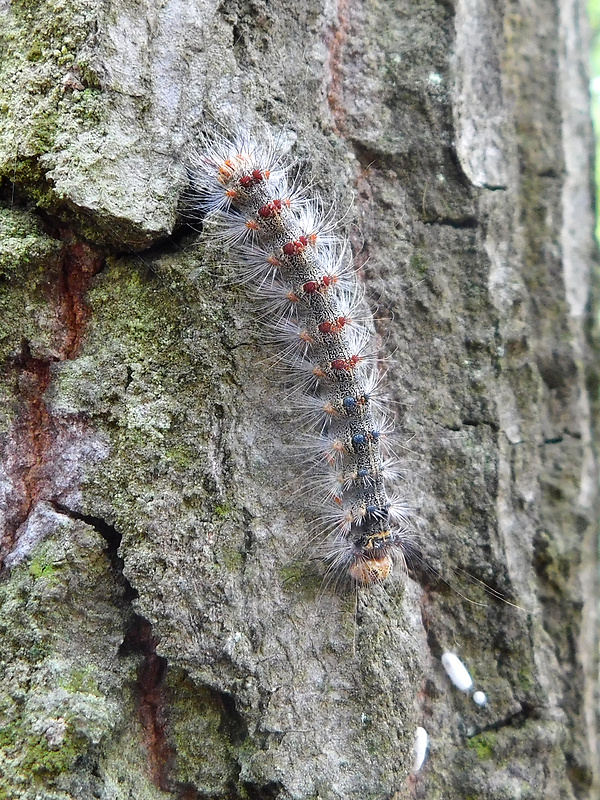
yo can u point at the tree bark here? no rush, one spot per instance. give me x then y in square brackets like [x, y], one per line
[165, 629]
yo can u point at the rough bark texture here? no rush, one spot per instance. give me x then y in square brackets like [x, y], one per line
[164, 630]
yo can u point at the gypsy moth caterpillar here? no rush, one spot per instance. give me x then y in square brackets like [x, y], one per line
[284, 244]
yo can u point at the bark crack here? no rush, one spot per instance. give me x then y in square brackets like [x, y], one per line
[459, 223]
[149, 689]
[515, 720]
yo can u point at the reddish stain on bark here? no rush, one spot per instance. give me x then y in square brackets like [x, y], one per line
[24, 457]
[336, 43]
[152, 700]
[79, 263]
[28, 453]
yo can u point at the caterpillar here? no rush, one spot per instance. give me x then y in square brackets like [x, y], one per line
[285, 246]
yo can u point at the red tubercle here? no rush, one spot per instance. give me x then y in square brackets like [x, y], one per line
[345, 364]
[320, 285]
[271, 209]
[299, 244]
[334, 326]
[255, 177]
[296, 247]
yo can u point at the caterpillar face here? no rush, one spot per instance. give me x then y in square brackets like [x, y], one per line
[369, 570]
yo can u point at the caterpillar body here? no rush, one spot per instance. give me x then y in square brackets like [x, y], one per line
[303, 273]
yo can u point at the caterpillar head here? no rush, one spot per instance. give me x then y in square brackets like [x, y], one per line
[367, 570]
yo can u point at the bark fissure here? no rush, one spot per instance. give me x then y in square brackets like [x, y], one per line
[113, 539]
[138, 639]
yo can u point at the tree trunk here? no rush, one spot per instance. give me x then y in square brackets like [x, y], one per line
[166, 630]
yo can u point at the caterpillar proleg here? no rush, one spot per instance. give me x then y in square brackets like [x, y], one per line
[302, 271]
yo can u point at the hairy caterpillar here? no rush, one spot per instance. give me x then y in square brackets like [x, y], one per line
[303, 274]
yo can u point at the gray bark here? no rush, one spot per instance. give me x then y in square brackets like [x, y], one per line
[164, 629]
